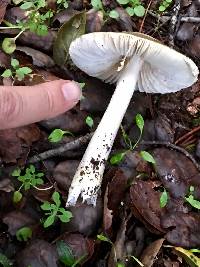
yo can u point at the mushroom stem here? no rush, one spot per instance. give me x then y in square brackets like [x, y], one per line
[88, 177]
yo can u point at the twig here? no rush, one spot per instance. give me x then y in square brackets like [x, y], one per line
[173, 23]
[191, 19]
[148, 7]
[165, 19]
[196, 129]
[62, 149]
[170, 145]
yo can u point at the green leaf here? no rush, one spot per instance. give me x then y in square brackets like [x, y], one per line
[113, 14]
[123, 2]
[14, 63]
[147, 157]
[41, 30]
[57, 135]
[49, 221]
[40, 174]
[41, 3]
[193, 202]
[162, 8]
[24, 70]
[189, 257]
[17, 196]
[130, 11]
[39, 181]
[89, 121]
[195, 250]
[9, 45]
[31, 168]
[66, 5]
[139, 11]
[71, 30]
[4, 261]
[56, 198]
[139, 122]
[65, 217]
[82, 85]
[17, 2]
[117, 158]
[24, 233]
[163, 199]
[65, 253]
[7, 73]
[46, 206]
[104, 238]
[27, 5]
[97, 4]
[120, 264]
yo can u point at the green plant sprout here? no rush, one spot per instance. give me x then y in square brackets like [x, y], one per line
[65, 255]
[28, 180]
[164, 198]
[16, 72]
[89, 121]
[103, 238]
[24, 234]
[57, 135]
[164, 5]
[97, 5]
[62, 4]
[118, 157]
[9, 45]
[4, 261]
[133, 7]
[36, 22]
[191, 199]
[55, 211]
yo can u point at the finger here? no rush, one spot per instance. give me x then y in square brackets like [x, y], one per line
[21, 105]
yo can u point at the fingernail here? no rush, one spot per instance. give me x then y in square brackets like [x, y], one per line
[71, 92]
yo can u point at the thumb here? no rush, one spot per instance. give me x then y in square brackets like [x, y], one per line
[21, 105]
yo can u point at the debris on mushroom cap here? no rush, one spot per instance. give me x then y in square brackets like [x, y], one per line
[105, 55]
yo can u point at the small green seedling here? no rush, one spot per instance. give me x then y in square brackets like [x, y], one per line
[147, 157]
[98, 5]
[118, 264]
[24, 234]
[36, 22]
[133, 7]
[62, 4]
[89, 121]
[57, 135]
[164, 5]
[66, 255]
[28, 180]
[191, 199]
[164, 198]
[118, 157]
[55, 211]
[4, 261]
[16, 71]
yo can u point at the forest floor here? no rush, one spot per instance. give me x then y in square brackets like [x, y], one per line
[147, 212]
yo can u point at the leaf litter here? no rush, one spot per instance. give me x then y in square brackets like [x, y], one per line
[130, 210]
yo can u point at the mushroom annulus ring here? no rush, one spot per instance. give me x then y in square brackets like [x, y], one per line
[133, 61]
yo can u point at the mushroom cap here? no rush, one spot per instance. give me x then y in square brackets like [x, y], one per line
[104, 55]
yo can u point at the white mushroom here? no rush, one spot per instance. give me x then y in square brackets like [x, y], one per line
[133, 61]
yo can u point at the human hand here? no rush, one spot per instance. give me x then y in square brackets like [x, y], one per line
[21, 105]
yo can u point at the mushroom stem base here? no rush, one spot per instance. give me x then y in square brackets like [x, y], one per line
[88, 177]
